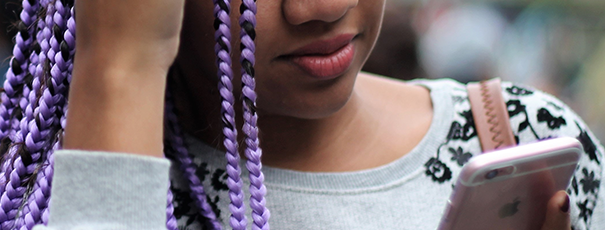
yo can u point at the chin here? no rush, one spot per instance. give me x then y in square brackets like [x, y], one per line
[310, 102]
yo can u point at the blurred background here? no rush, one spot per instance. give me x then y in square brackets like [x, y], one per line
[557, 46]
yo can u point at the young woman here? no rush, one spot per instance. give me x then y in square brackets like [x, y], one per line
[341, 149]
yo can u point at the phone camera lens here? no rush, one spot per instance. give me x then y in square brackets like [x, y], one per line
[491, 174]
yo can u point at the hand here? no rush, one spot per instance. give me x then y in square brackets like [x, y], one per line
[557, 212]
[123, 52]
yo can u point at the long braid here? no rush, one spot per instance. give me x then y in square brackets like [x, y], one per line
[247, 21]
[15, 87]
[17, 70]
[14, 97]
[18, 165]
[222, 25]
[171, 222]
[46, 107]
[26, 163]
[51, 106]
[174, 144]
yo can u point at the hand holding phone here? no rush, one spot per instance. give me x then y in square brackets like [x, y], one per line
[510, 188]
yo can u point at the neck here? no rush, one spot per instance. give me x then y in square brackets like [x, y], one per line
[327, 144]
[366, 132]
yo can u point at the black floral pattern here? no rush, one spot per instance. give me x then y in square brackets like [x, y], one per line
[463, 132]
[213, 204]
[202, 171]
[219, 177]
[185, 209]
[516, 108]
[468, 129]
[460, 156]
[589, 147]
[438, 171]
[589, 183]
[574, 185]
[455, 131]
[585, 212]
[516, 90]
[552, 121]
[184, 201]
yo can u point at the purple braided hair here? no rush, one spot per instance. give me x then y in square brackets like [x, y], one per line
[171, 222]
[175, 144]
[222, 25]
[15, 76]
[11, 113]
[247, 21]
[50, 107]
[14, 96]
[36, 132]
[18, 163]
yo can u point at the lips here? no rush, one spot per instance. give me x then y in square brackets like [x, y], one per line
[325, 59]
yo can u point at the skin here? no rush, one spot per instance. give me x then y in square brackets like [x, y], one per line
[352, 122]
[313, 121]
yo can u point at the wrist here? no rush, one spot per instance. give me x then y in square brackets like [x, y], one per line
[116, 107]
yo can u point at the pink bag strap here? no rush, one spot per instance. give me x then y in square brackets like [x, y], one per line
[490, 115]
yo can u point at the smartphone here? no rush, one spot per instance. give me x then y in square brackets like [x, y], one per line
[509, 188]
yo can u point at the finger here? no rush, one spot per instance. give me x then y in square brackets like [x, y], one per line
[557, 212]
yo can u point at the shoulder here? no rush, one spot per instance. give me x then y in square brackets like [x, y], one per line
[534, 116]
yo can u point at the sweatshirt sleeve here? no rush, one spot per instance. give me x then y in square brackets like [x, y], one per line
[103, 190]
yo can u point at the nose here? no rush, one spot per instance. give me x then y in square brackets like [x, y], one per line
[298, 12]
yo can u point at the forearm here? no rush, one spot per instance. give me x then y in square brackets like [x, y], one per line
[124, 51]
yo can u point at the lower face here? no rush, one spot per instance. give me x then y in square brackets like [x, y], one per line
[306, 63]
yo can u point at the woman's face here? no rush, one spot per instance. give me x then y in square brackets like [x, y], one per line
[308, 52]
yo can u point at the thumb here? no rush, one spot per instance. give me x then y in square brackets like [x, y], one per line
[557, 212]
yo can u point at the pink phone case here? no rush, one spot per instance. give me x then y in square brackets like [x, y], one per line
[509, 188]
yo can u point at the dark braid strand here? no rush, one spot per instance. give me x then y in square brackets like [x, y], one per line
[51, 106]
[174, 144]
[17, 166]
[222, 48]
[260, 213]
[18, 68]
[171, 222]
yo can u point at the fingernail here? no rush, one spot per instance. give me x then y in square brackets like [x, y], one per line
[565, 207]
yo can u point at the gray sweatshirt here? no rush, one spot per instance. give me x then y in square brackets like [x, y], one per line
[102, 190]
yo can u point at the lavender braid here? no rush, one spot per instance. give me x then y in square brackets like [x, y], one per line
[174, 144]
[50, 111]
[46, 109]
[18, 165]
[222, 48]
[171, 222]
[12, 96]
[247, 21]
[12, 100]
[17, 70]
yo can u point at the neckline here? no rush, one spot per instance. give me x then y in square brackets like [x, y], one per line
[379, 178]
